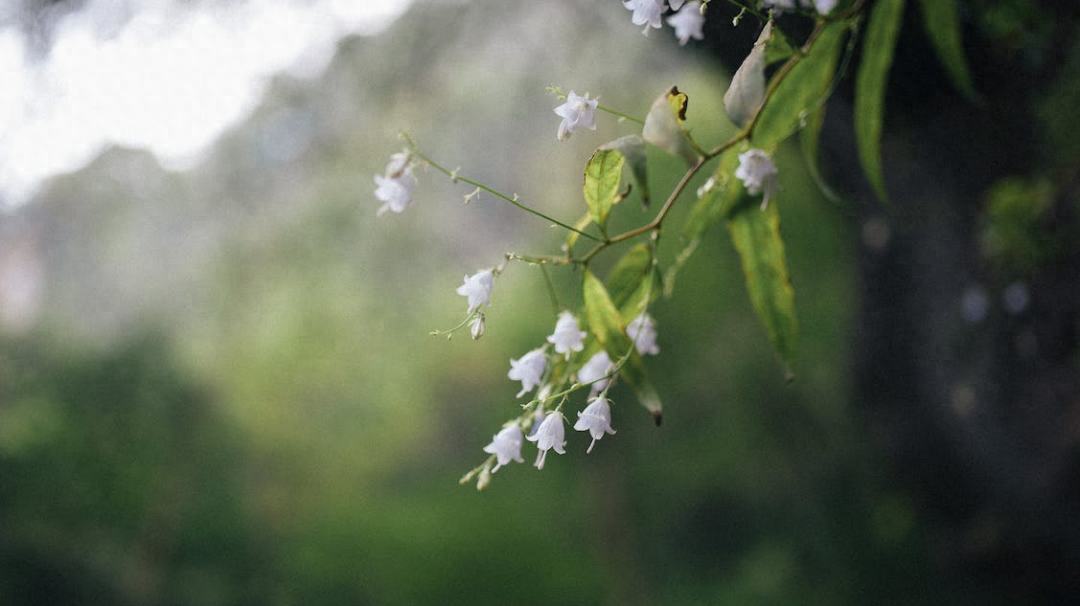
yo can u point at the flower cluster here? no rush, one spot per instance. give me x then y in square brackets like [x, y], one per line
[688, 19]
[550, 370]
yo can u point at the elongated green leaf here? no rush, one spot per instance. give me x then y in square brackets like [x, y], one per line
[718, 196]
[756, 234]
[870, 82]
[628, 273]
[632, 147]
[802, 89]
[607, 324]
[810, 137]
[941, 19]
[603, 174]
[664, 125]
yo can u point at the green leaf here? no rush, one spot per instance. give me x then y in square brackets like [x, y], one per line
[941, 19]
[715, 202]
[664, 125]
[870, 82]
[801, 90]
[756, 234]
[746, 92]
[572, 237]
[811, 143]
[632, 147]
[603, 174]
[629, 273]
[607, 324]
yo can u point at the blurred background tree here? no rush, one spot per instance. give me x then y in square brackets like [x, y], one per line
[216, 385]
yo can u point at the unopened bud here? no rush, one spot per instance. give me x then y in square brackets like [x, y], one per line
[477, 327]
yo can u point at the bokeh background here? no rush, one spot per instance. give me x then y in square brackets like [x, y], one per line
[217, 384]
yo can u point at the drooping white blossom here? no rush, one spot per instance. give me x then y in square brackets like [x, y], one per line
[758, 174]
[646, 12]
[594, 371]
[477, 288]
[529, 369]
[394, 192]
[595, 419]
[687, 22]
[395, 186]
[506, 446]
[642, 330]
[567, 337]
[551, 434]
[576, 112]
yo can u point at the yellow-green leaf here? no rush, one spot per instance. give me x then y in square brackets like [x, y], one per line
[664, 125]
[870, 82]
[941, 19]
[632, 147]
[756, 234]
[628, 273]
[607, 325]
[603, 174]
[801, 90]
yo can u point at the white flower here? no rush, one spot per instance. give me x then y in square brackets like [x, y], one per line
[477, 288]
[576, 112]
[824, 7]
[394, 192]
[594, 371]
[646, 12]
[551, 434]
[595, 419]
[688, 23]
[506, 446]
[529, 369]
[675, 4]
[642, 330]
[567, 336]
[758, 174]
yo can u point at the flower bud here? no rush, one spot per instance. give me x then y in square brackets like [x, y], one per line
[477, 327]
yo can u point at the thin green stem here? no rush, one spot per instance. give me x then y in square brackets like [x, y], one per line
[621, 115]
[454, 176]
[551, 289]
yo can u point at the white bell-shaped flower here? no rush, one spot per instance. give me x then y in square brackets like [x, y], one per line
[506, 446]
[551, 434]
[529, 369]
[477, 288]
[394, 192]
[758, 174]
[688, 22]
[646, 12]
[567, 337]
[595, 370]
[576, 112]
[642, 330]
[595, 419]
